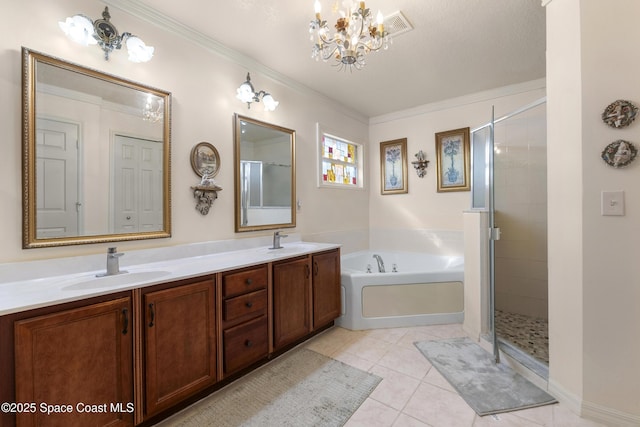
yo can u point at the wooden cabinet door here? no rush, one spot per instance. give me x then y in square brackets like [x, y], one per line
[180, 345]
[326, 288]
[80, 359]
[291, 301]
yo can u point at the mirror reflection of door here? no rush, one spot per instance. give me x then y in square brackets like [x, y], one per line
[137, 185]
[58, 203]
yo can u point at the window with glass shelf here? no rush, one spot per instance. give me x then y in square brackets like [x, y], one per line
[340, 162]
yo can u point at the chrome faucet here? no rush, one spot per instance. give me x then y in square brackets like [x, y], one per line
[276, 239]
[380, 263]
[113, 266]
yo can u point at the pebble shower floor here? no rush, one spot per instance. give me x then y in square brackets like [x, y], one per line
[529, 334]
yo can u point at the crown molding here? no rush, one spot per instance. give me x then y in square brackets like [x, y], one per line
[460, 101]
[167, 23]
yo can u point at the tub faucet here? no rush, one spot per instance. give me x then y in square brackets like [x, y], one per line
[276, 239]
[113, 266]
[380, 263]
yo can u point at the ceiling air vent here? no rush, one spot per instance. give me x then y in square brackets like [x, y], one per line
[396, 24]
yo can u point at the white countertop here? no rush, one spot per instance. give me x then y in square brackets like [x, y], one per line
[20, 295]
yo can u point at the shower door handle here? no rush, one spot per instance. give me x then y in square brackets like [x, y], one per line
[494, 233]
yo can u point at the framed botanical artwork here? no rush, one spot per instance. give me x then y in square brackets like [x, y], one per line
[453, 160]
[205, 159]
[393, 166]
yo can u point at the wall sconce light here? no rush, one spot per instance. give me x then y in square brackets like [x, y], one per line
[421, 164]
[83, 30]
[246, 93]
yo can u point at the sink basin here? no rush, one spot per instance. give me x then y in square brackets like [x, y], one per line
[93, 282]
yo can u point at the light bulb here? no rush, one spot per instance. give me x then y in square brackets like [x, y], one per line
[79, 28]
[270, 104]
[245, 93]
[138, 51]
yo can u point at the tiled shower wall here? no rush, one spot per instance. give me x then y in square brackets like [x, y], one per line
[521, 213]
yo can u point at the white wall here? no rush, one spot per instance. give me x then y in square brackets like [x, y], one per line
[611, 245]
[405, 219]
[203, 85]
[594, 287]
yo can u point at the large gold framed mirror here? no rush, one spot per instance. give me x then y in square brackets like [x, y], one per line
[96, 156]
[265, 175]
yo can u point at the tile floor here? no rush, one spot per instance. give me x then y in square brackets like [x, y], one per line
[529, 334]
[412, 393]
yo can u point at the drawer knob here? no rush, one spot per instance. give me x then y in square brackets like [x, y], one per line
[248, 343]
[249, 304]
[249, 281]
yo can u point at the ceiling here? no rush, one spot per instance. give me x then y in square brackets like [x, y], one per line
[457, 47]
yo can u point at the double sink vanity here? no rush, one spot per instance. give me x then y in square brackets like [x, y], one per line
[81, 346]
[132, 348]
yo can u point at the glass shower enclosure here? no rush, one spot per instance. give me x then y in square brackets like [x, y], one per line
[509, 182]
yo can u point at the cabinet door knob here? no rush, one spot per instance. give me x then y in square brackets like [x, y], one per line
[248, 343]
[249, 281]
[249, 304]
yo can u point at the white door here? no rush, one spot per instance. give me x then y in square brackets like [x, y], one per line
[57, 181]
[137, 179]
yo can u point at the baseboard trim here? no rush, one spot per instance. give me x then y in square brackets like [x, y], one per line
[592, 411]
[609, 416]
[573, 402]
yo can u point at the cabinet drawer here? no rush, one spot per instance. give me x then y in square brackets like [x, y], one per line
[244, 281]
[254, 303]
[245, 344]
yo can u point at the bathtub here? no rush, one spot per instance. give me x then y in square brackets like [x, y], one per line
[424, 289]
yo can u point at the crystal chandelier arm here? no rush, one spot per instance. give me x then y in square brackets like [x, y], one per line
[328, 52]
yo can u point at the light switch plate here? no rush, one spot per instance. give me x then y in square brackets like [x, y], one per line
[613, 203]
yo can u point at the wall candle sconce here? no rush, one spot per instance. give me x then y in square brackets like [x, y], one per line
[246, 93]
[205, 194]
[102, 32]
[421, 164]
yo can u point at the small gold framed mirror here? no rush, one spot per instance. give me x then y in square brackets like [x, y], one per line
[265, 175]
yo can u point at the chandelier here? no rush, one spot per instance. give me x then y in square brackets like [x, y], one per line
[355, 35]
[102, 32]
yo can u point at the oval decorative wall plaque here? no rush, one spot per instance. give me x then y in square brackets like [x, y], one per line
[619, 113]
[619, 153]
